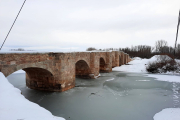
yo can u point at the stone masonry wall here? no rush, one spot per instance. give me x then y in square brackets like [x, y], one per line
[57, 71]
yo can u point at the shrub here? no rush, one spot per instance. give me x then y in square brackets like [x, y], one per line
[162, 66]
[91, 49]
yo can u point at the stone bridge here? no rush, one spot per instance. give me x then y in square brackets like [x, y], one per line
[57, 71]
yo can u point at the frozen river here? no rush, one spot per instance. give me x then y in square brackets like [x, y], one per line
[113, 96]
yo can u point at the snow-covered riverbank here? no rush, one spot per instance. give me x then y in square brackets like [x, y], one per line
[14, 106]
[138, 65]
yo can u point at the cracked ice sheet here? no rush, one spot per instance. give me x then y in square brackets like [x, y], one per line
[14, 106]
[168, 113]
[138, 65]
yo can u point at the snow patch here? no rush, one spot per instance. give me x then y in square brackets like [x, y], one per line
[142, 80]
[19, 71]
[110, 79]
[160, 58]
[168, 114]
[14, 106]
[138, 65]
[168, 78]
[97, 76]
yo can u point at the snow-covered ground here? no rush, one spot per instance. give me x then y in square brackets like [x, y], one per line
[168, 114]
[14, 106]
[138, 65]
[169, 78]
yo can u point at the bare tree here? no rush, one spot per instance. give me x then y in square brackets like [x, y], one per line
[159, 45]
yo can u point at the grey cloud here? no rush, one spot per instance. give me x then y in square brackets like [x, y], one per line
[40, 19]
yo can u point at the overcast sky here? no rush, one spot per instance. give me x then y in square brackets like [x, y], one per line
[71, 25]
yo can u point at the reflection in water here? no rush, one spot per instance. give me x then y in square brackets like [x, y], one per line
[125, 96]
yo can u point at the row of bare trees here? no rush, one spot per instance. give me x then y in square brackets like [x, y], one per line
[161, 47]
[145, 51]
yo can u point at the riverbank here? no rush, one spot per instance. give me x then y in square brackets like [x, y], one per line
[14, 106]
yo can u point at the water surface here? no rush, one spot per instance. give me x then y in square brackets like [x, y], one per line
[113, 96]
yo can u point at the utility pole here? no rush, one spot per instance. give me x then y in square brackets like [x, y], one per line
[177, 33]
[13, 24]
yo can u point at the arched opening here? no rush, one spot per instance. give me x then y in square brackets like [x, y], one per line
[102, 67]
[120, 63]
[40, 79]
[124, 59]
[82, 69]
[113, 62]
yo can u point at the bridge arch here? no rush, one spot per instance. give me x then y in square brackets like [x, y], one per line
[124, 57]
[113, 61]
[102, 64]
[9, 70]
[82, 69]
[37, 76]
[120, 61]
